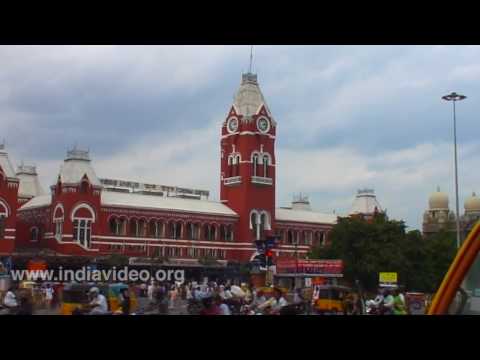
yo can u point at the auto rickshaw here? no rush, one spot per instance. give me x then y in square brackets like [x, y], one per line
[330, 299]
[75, 296]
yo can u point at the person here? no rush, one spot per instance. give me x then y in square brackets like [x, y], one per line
[279, 300]
[399, 306]
[248, 293]
[298, 296]
[26, 304]
[188, 293]
[388, 303]
[151, 290]
[199, 293]
[143, 289]
[98, 304]
[173, 296]
[10, 299]
[259, 299]
[162, 300]
[125, 302]
[49, 296]
[228, 292]
[222, 307]
[209, 307]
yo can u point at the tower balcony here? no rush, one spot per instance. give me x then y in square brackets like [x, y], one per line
[234, 180]
[262, 180]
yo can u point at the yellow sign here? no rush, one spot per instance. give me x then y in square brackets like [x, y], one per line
[388, 277]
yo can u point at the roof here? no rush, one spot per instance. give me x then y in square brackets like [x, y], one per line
[306, 216]
[5, 163]
[76, 165]
[249, 98]
[365, 203]
[36, 202]
[29, 183]
[111, 198]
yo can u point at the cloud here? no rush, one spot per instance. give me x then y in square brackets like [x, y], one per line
[348, 116]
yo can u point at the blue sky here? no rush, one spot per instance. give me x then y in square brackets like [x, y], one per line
[348, 116]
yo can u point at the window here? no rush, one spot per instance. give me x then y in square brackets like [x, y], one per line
[155, 229]
[115, 226]
[265, 165]
[255, 164]
[82, 229]
[175, 230]
[58, 229]
[34, 234]
[83, 217]
[290, 238]
[3, 218]
[192, 231]
[84, 186]
[2, 225]
[142, 228]
[133, 227]
[209, 232]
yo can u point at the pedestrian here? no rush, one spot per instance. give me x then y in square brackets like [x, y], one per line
[279, 301]
[399, 306]
[222, 307]
[173, 296]
[151, 290]
[298, 296]
[10, 299]
[26, 304]
[388, 303]
[125, 303]
[49, 296]
[209, 307]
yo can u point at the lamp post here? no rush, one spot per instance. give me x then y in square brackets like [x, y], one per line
[454, 97]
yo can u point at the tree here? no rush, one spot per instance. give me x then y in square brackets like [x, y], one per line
[370, 247]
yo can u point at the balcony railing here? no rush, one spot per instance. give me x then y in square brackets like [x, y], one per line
[262, 180]
[232, 180]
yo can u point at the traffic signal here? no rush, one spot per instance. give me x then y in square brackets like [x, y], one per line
[268, 257]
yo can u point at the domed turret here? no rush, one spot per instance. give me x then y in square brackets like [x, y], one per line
[472, 204]
[438, 200]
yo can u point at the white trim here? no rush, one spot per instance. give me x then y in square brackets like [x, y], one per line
[249, 133]
[121, 238]
[59, 205]
[7, 208]
[230, 119]
[83, 206]
[281, 246]
[106, 206]
[169, 245]
[10, 230]
[9, 237]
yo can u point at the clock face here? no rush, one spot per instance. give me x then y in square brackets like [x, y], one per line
[263, 125]
[232, 125]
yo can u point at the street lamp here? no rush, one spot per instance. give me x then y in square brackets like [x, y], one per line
[454, 97]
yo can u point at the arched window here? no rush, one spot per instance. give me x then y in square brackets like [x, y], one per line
[83, 217]
[3, 217]
[192, 231]
[122, 226]
[255, 165]
[237, 165]
[209, 232]
[114, 226]
[254, 224]
[230, 165]
[155, 229]
[34, 234]
[266, 163]
[322, 239]
[290, 237]
[142, 228]
[84, 186]
[133, 227]
[175, 230]
[58, 219]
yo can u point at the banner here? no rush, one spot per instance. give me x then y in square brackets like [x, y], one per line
[310, 267]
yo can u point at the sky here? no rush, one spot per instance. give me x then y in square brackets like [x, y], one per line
[348, 117]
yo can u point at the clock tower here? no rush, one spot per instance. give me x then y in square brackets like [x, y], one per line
[248, 163]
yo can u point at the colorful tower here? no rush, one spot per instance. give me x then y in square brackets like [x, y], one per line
[248, 162]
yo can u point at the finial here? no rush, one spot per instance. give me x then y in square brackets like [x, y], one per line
[251, 59]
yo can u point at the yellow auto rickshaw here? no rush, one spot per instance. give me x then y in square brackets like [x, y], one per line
[330, 299]
[75, 296]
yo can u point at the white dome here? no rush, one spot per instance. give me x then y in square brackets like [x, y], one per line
[438, 201]
[472, 203]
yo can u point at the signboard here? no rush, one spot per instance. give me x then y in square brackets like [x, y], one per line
[310, 267]
[308, 282]
[415, 303]
[388, 278]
